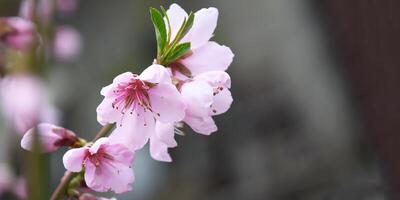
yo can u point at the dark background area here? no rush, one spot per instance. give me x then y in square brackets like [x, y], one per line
[315, 85]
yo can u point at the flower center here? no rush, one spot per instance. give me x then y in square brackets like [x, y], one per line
[98, 157]
[131, 94]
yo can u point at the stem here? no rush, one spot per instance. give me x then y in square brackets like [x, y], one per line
[62, 186]
[104, 131]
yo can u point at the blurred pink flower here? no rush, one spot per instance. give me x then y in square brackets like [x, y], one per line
[67, 43]
[20, 188]
[107, 165]
[67, 6]
[51, 137]
[17, 33]
[44, 9]
[24, 103]
[136, 103]
[206, 95]
[205, 55]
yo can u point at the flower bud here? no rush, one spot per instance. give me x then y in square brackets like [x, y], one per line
[17, 33]
[50, 137]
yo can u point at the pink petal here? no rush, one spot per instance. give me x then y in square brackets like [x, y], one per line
[124, 77]
[98, 144]
[166, 132]
[109, 176]
[161, 141]
[134, 131]
[204, 24]
[120, 153]
[159, 150]
[202, 125]
[46, 135]
[209, 57]
[198, 96]
[155, 74]
[222, 102]
[176, 16]
[215, 78]
[167, 102]
[73, 159]
[107, 90]
[106, 113]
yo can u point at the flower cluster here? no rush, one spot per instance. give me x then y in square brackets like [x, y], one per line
[186, 84]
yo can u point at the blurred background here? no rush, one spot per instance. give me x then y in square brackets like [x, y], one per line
[314, 85]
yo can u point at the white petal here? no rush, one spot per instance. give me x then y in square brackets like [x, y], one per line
[167, 103]
[209, 57]
[222, 102]
[202, 125]
[155, 74]
[176, 16]
[198, 96]
[204, 24]
[73, 159]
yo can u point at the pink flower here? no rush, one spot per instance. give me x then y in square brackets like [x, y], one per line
[107, 165]
[23, 102]
[206, 95]
[17, 33]
[67, 43]
[205, 55]
[138, 103]
[50, 137]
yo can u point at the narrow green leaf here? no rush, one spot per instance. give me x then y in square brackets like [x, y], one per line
[177, 52]
[188, 25]
[160, 30]
[164, 12]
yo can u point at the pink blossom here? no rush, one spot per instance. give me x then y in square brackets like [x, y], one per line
[107, 165]
[67, 43]
[50, 137]
[205, 55]
[138, 103]
[24, 103]
[206, 95]
[17, 33]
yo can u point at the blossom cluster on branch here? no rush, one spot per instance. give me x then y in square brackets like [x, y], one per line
[187, 84]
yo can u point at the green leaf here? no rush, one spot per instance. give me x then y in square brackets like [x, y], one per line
[164, 12]
[177, 52]
[188, 25]
[160, 29]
